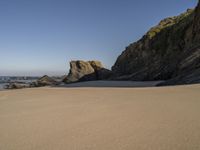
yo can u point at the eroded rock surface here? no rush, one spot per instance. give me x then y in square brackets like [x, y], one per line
[46, 80]
[86, 71]
[169, 51]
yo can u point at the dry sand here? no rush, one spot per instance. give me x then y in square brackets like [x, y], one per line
[164, 118]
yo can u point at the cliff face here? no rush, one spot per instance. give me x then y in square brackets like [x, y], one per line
[168, 51]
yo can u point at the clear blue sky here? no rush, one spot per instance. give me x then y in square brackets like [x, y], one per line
[41, 36]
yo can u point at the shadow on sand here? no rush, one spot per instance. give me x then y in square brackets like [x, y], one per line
[113, 84]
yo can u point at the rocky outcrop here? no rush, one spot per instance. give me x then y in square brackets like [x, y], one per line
[17, 86]
[168, 51]
[44, 81]
[86, 71]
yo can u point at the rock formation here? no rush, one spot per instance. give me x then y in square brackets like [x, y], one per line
[169, 51]
[86, 71]
[17, 86]
[45, 80]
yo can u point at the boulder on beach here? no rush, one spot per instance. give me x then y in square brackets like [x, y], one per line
[86, 71]
[17, 86]
[46, 80]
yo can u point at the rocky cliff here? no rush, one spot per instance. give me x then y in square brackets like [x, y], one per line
[169, 51]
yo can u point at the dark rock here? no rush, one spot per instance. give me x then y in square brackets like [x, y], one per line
[103, 74]
[17, 86]
[187, 78]
[44, 81]
[169, 51]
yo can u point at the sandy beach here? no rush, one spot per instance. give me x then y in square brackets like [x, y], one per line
[158, 118]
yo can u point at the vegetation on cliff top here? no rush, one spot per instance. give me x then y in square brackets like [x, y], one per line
[167, 22]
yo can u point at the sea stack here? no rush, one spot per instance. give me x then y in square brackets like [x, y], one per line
[86, 71]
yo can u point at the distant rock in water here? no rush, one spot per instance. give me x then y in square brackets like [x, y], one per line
[169, 51]
[17, 86]
[86, 71]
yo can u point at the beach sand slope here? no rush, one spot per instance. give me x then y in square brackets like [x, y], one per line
[158, 118]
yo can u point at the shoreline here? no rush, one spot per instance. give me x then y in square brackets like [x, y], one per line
[104, 83]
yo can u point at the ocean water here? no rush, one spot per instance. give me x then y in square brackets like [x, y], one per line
[2, 85]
